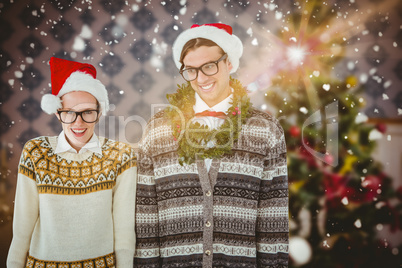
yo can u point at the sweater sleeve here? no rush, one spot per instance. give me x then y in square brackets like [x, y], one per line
[272, 217]
[124, 209]
[26, 211]
[147, 224]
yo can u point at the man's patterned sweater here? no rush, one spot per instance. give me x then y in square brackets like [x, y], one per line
[235, 215]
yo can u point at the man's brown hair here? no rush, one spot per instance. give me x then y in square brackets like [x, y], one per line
[196, 43]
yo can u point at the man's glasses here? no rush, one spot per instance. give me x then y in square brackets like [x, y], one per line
[209, 68]
[88, 116]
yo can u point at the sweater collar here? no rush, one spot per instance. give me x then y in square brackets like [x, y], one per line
[222, 106]
[92, 145]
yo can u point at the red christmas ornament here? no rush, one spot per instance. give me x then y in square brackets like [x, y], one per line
[294, 131]
[381, 127]
[329, 159]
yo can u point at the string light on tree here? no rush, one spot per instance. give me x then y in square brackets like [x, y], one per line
[296, 55]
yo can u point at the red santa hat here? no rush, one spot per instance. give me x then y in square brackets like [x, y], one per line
[219, 33]
[68, 76]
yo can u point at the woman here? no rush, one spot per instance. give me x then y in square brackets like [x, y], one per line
[74, 203]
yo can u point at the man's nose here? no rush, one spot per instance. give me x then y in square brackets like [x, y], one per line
[201, 77]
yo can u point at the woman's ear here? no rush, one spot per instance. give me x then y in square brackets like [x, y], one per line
[99, 116]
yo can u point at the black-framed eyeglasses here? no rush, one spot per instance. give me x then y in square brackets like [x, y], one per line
[69, 116]
[209, 68]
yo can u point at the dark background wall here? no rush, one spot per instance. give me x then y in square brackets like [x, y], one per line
[129, 42]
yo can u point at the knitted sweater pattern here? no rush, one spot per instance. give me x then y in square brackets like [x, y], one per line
[57, 175]
[235, 215]
[71, 207]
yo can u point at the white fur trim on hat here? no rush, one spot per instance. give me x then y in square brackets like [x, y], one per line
[77, 81]
[50, 103]
[231, 44]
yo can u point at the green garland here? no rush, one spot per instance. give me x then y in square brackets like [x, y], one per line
[193, 137]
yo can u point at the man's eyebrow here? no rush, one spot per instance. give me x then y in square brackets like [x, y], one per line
[189, 66]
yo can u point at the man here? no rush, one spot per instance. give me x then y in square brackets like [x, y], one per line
[74, 203]
[212, 185]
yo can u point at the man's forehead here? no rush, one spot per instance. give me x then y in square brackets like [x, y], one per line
[201, 55]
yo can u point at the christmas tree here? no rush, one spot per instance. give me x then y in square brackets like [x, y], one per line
[339, 196]
[338, 202]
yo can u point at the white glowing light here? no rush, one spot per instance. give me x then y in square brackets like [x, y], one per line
[361, 118]
[296, 55]
[379, 227]
[122, 20]
[303, 110]
[79, 44]
[278, 15]
[254, 42]
[18, 74]
[358, 223]
[183, 10]
[375, 135]
[326, 87]
[253, 87]
[300, 250]
[387, 84]
[345, 201]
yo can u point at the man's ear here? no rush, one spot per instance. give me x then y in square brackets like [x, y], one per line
[57, 115]
[230, 66]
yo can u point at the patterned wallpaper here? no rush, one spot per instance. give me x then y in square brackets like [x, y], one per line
[129, 42]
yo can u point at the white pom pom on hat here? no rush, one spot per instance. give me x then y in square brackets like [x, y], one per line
[50, 103]
[219, 33]
[68, 76]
